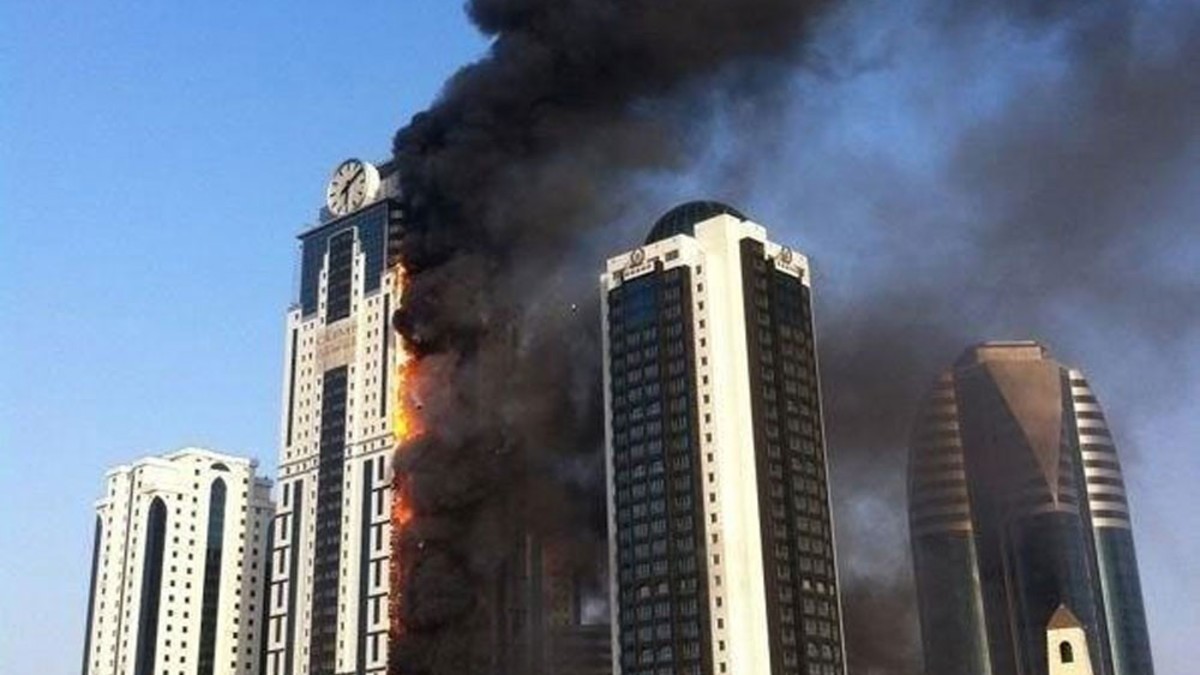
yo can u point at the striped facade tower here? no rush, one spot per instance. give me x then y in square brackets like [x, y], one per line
[1017, 507]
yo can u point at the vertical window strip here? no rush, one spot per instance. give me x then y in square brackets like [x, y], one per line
[291, 639]
[87, 635]
[212, 577]
[156, 540]
[292, 387]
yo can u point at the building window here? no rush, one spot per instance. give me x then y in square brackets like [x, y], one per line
[212, 576]
[152, 569]
[1066, 652]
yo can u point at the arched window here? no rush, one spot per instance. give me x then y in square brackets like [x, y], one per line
[1066, 653]
[212, 577]
[152, 566]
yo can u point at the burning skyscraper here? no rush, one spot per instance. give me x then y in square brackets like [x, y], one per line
[1018, 507]
[720, 534]
[527, 156]
[344, 411]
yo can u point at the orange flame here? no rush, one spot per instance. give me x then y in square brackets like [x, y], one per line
[404, 418]
[405, 427]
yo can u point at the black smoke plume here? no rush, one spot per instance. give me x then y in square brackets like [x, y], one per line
[524, 154]
[1058, 204]
[553, 151]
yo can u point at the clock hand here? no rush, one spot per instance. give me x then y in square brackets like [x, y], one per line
[351, 181]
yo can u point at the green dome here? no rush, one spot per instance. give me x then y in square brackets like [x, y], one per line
[683, 218]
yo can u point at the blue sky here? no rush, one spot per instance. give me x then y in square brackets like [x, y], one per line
[157, 159]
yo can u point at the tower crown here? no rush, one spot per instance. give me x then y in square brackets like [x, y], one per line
[683, 218]
[1003, 350]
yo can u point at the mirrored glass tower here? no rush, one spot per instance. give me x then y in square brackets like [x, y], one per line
[1017, 508]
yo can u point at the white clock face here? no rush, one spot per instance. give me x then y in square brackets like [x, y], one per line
[354, 183]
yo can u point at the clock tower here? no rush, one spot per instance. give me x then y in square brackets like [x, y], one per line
[328, 593]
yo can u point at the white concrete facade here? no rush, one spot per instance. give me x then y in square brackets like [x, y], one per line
[180, 488]
[737, 607]
[364, 344]
[1067, 645]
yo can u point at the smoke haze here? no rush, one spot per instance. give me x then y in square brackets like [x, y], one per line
[1008, 170]
[525, 153]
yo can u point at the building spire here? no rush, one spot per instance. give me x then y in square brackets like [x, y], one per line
[1066, 644]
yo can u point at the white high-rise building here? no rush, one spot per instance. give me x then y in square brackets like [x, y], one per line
[179, 567]
[721, 538]
[329, 586]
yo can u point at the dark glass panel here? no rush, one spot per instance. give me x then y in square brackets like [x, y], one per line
[661, 614]
[87, 635]
[328, 530]
[371, 226]
[364, 562]
[291, 412]
[339, 286]
[372, 241]
[385, 342]
[264, 616]
[1123, 602]
[951, 607]
[212, 577]
[294, 551]
[798, 563]
[152, 564]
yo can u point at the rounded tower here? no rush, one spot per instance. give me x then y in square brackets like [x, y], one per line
[1017, 507]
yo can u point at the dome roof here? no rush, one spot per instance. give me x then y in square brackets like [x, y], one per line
[683, 218]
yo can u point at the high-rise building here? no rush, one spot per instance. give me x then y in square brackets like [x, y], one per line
[539, 626]
[1017, 507]
[523, 599]
[720, 533]
[581, 649]
[179, 568]
[329, 587]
